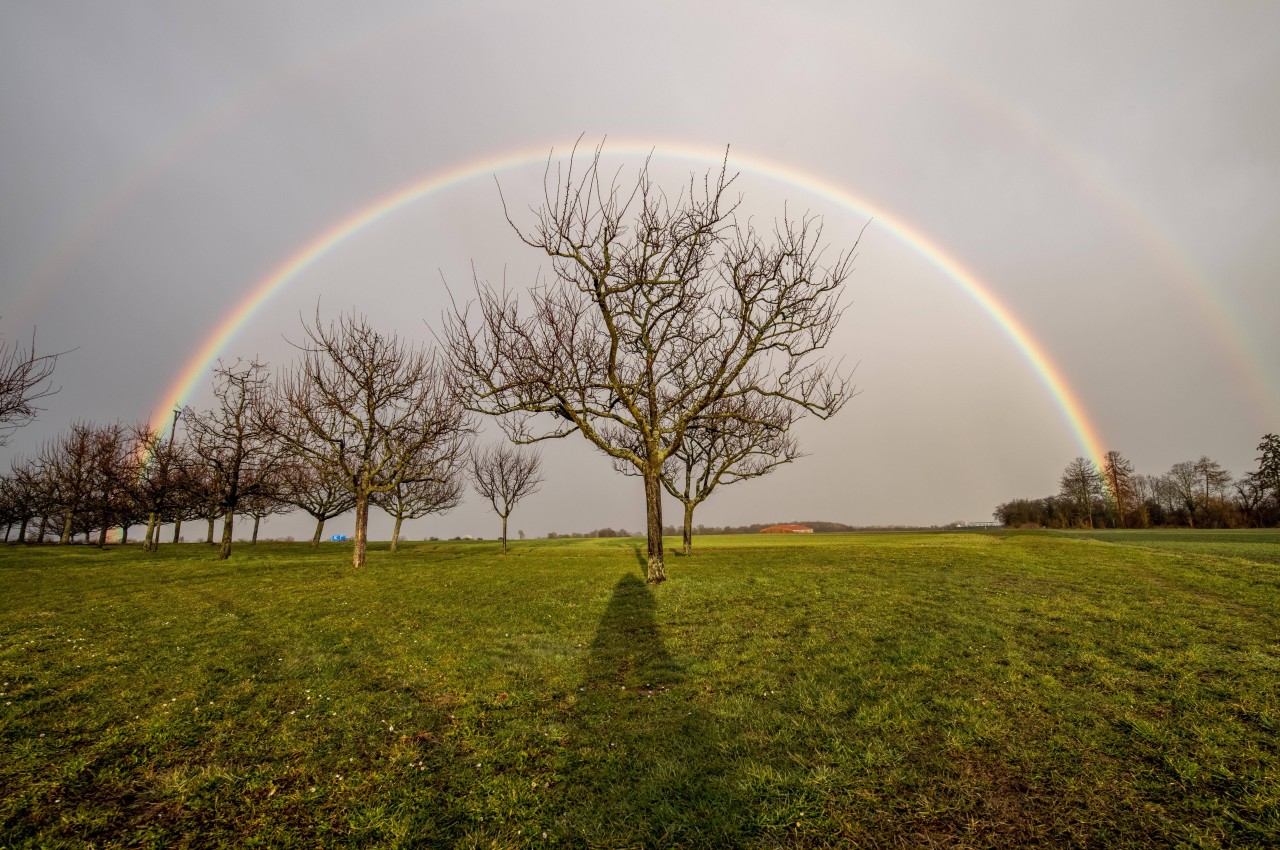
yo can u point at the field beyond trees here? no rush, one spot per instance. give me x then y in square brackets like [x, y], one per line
[980, 689]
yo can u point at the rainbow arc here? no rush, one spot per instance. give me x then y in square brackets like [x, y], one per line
[197, 366]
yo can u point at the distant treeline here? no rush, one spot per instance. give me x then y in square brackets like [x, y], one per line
[819, 527]
[1192, 494]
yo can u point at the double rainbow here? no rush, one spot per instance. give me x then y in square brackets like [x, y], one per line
[198, 365]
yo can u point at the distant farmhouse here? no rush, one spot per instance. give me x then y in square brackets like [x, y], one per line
[787, 529]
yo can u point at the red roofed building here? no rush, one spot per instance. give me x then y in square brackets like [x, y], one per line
[787, 529]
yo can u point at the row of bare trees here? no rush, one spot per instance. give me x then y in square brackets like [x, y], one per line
[673, 335]
[362, 419]
[1194, 494]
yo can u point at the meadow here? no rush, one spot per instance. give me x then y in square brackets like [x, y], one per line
[962, 690]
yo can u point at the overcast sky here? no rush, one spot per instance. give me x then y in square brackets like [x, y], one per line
[1109, 172]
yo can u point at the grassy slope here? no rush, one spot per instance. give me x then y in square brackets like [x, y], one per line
[970, 689]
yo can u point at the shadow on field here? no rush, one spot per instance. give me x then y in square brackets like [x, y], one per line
[647, 758]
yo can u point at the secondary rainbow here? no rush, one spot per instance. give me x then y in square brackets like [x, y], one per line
[198, 366]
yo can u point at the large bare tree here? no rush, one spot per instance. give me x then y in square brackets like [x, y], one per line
[1117, 473]
[25, 378]
[504, 475]
[373, 407]
[657, 309]
[235, 442]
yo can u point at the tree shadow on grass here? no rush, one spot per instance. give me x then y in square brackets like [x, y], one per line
[642, 559]
[647, 767]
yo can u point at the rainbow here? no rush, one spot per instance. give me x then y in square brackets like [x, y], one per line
[199, 128]
[198, 366]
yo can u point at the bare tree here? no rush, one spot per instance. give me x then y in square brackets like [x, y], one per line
[1250, 497]
[504, 475]
[260, 506]
[322, 493]
[1081, 484]
[201, 497]
[25, 378]
[415, 497]
[235, 441]
[1211, 479]
[23, 495]
[726, 445]
[1117, 473]
[1212, 482]
[1182, 479]
[161, 474]
[114, 473]
[646, 325]
[373, 407]
[68, 462]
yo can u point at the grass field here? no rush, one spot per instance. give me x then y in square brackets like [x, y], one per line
[1109, 689]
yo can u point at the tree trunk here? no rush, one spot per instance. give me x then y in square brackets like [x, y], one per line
[395, 534]
[124, 535]
[653, 523]
[44, 526]
[66, 528]
[8, 527]
[102, 533]
[315, 539]
[153, 533]
[228, 522]
[209, 539]
[504, 535]
[362, 530]
[688, 528]
[177, 529]
[253, 541]
[22, 531]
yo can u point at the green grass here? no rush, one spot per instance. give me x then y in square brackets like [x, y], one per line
[997, 690]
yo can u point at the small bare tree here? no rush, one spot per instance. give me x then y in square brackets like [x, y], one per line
[24, 493]
[657, 310]
[416, 497]
[266, 502]
[322, 493]
[727, 445]
[25, 378]
[372, 407]
[504, 475]
[235, 442]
